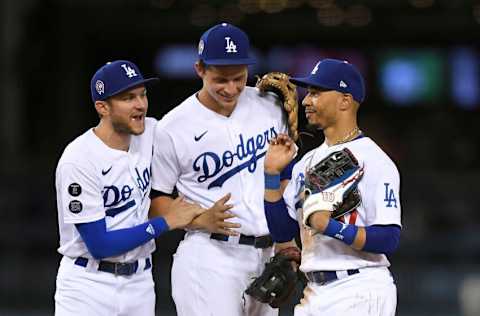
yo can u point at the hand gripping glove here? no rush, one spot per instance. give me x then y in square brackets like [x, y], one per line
[278, 280]
[279, 84]
[331, 185]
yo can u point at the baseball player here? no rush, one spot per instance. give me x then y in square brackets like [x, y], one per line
[345, 261]
[212, 148]
[103, 185]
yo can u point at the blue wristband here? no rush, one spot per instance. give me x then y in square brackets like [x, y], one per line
[272, 181]
[340, 231]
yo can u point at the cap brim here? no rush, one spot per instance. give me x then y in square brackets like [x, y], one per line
[308, 82]
[133, 84]
[226, 62]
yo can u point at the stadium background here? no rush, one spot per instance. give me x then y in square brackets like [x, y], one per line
[421, 60]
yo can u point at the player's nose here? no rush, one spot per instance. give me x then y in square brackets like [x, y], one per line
[141, 103]
[307, 100]
[232, 88]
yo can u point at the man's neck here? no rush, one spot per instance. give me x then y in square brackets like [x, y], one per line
[106, 133]
[341, 133]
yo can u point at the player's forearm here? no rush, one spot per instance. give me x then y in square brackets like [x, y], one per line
[352, 235]
[159, 206]
[376, 239]
[281, 226]
[103, 244]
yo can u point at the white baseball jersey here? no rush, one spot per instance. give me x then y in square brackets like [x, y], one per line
[379, 189]
[94, 181]
[207, 155]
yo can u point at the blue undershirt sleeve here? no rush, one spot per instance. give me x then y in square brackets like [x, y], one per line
[103, 244]
[382, 239]
[282, 227]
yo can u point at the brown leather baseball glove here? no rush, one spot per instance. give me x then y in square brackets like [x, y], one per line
[279, 83]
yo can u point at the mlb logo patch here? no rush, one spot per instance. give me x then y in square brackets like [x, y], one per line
[201, 46]
[100, 87]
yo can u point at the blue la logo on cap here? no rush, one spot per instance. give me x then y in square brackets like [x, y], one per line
[225, 44]
[116, 77]
[335, 74]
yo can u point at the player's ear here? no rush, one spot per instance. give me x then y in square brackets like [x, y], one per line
[200, 68]
[102, 108]
[346, 102]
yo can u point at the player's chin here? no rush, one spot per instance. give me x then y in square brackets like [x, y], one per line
[311, 119]
[137, 126]
[314, 125]
[229, 102]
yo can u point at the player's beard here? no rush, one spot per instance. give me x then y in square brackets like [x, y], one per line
[121, 126]
[320, 121]
[314, 125]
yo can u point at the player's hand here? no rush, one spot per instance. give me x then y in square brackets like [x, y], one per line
[181, 213]
[280, 247]
[281, 151]
[215, 218]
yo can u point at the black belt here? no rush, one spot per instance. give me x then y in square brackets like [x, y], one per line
[323, 277]
[257, 242]
[117, 268]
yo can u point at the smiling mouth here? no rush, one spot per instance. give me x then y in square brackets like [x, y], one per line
[138, 117]
[231, 98]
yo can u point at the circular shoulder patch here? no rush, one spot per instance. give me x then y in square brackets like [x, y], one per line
[75, 206]
[74, 189]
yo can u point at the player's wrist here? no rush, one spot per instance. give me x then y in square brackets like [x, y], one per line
[271, 170]
[341, 231]
[170, 221]
[272, 181]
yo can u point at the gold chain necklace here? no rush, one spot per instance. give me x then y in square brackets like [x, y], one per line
[353, 133]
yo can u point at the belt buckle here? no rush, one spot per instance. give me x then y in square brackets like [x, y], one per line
[257, 242]
[122, 268]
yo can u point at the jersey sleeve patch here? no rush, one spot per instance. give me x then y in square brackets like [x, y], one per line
[79, 194]
[74, 189]
[75, 206]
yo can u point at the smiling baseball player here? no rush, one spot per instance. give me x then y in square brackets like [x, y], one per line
[103, 182]
[212, 148]
[344, 259]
